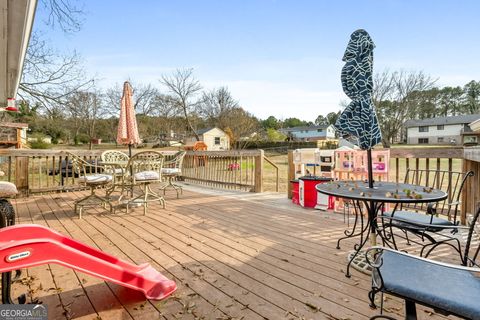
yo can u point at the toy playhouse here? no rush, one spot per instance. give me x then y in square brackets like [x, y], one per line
[312, 166]
[351, 164]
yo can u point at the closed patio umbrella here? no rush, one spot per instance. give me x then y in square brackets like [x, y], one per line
[127, 126]
[359, 119]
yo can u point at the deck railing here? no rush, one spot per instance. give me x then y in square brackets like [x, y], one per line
[45, 170]
[240, 170]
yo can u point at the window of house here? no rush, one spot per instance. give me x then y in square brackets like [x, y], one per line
[423, 129]
[422, 140]
[440, 139]
[470, 139]
[319, 130]
[440, 127]
[217, 140]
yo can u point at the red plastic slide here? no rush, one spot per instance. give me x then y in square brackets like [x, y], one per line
[28, 245]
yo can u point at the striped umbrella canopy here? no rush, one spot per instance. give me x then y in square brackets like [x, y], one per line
[359, 118]
[127, 126]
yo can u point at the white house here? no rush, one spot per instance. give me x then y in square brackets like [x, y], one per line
[215, 139]
[439, 130]
[312, 133]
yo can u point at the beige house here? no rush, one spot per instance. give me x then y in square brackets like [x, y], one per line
[453, 130]
[215, 139]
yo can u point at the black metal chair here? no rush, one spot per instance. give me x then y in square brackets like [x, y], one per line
[447, 288]
[427, 222]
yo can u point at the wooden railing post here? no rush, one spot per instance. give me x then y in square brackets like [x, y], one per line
[259, 172]
[21, 175]
[291, 173]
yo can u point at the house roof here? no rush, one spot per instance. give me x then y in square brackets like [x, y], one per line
[14, 124]
[202, 131]
[205, 130]
[323, 126]
[464, 119]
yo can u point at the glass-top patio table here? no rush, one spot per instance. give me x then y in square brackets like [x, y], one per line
[374, 200]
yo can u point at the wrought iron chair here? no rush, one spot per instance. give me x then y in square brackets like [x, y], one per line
[90, 175]
[114, 163]
[427, 221]
[146, 169]
[447, 288]
[172, 169]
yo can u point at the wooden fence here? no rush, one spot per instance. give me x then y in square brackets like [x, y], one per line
[46, 170]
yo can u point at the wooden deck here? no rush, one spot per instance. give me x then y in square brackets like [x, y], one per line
[232, 258]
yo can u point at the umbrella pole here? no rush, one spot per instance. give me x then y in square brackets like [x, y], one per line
[369, 168]
[129, 150]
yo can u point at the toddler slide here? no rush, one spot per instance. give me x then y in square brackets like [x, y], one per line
[28, 245]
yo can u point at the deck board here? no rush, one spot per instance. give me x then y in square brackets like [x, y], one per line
[231, 258]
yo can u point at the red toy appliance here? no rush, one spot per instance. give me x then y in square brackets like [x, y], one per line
[308, 194]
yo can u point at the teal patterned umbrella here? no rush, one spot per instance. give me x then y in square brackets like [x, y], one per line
[359, 118]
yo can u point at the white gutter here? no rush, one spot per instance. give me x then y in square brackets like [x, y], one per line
[17, 22]
[27, 31]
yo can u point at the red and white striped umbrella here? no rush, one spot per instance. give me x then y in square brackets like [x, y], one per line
[127, 126]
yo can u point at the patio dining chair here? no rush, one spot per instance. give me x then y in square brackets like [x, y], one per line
[145, 170]
[90, 175]
[427, 222]
[171, 170]
[114, 163]
[449, 289]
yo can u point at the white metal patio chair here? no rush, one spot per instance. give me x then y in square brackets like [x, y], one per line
[115, 163]
[145, 169]
[171, 170]
[90, 175]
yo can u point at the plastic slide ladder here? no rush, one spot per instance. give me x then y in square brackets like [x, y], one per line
[28, 245]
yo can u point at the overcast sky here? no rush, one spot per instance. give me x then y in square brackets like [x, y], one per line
[277, 57]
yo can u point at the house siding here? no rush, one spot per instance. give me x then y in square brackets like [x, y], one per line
[449, 133]
[305, 134]
[209, 139]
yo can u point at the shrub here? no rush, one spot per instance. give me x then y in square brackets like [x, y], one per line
[39, 144]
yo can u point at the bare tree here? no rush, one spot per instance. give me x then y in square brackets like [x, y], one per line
[215, 105]
[85, 109]
[65, 14]
[165, 106]
[144, 96]
[394, 100]
[49, 78]
[240, 124]
[183, 87]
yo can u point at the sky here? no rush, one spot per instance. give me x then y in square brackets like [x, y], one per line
[276, 57]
